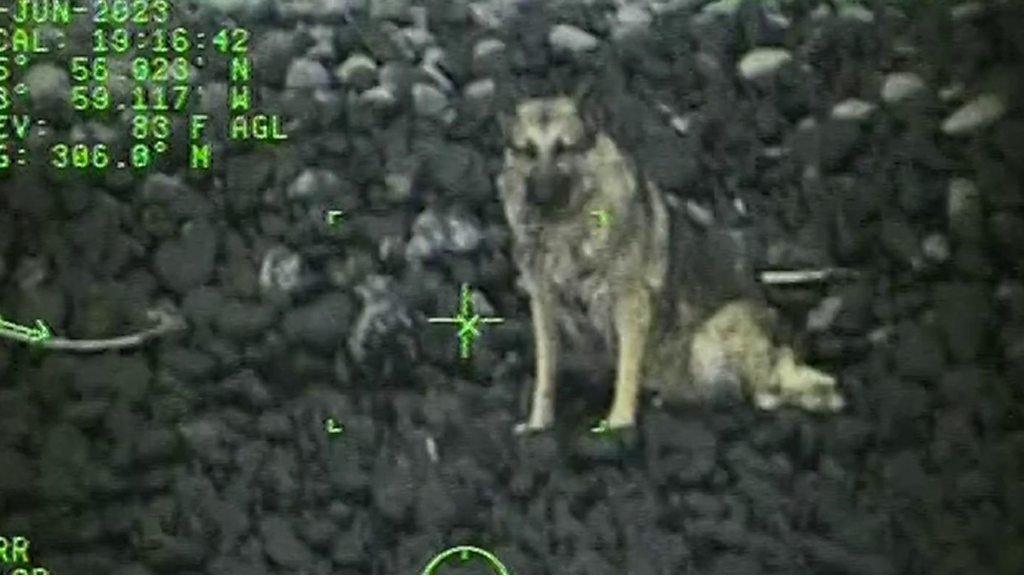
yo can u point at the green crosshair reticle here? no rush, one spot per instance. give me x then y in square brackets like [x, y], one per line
[468, 321]
[464, 553]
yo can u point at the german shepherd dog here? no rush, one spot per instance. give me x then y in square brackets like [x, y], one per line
[599, 252]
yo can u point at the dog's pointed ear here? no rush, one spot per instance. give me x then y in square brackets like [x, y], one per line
[583, 91]
[589, 105]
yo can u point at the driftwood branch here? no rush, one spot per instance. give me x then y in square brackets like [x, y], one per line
[791, 277]
[165, 322]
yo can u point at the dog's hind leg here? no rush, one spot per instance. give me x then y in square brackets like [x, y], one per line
[632, 325]
[542, 408]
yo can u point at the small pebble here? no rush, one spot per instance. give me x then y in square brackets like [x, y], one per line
[763, 62]
[900, 86]
[565, 38]
[975, 115]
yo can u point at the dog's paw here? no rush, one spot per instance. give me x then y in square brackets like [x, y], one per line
[801, 386]
[611, 444]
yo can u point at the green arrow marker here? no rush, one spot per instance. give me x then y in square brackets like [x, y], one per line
[333, 428]
[333, 216]
[37, 335]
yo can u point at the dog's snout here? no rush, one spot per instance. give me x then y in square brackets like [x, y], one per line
[549, 187]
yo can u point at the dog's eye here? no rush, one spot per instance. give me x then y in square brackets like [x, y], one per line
[529, 148]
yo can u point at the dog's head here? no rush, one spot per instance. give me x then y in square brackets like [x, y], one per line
[550, 140]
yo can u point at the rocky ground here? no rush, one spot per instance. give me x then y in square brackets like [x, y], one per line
[884, 137]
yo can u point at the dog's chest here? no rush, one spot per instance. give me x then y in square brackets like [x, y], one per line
[579, 271]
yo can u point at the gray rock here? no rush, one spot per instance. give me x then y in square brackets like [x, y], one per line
[952, 92]
[319, 532]
[966, 11]
[1006, 228]
[247, 174]
[659, 7]
[428, 101]
[390, 9]
[350, 547]
[919, 353]
[434, 234]
[19, 477]
[855, 13]
[822, 316]
[963, 312]
[488, 56]
[234, 7]
[964, 211]
[399, 180]
[86, 413]
[312, 183]
[397, 76]
[202, 305]
[394, 487]
[853, 109]
[568, 39]
[207, 438]
[977, 114]
[699, 447]
[347, 273]
[155, 445]
[434, 63]
[775, 21]
[243, 320]
[187, 262]
[384, 330]
[936, 248]
[837, 141]
[358, 71]
[279, 476]
[307, 74]
[247, 389]
[630, 21]
[172, 194]
[900, 240]
[379, 98]
[480, 93]
[722, 7]
[48, 88]
[63, 459]
[417, 39]
[281, 271]
[282, 544]
[901, 86]
[322, 324]
[273, 51]
[762, 63]
[188, 364]
[455, 169]
[314, 9]
[323, 43]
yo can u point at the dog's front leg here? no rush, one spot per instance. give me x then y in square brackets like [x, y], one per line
[545, 337]
[632, 324]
